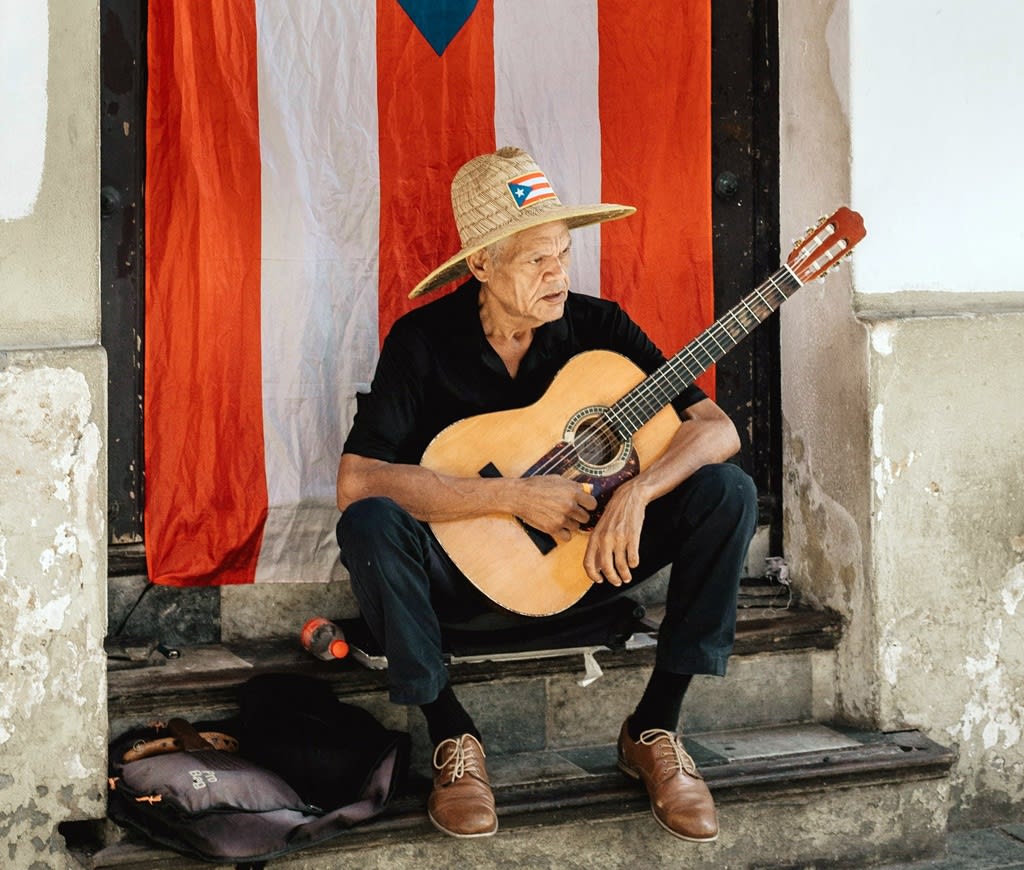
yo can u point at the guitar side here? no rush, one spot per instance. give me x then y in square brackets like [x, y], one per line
[495, 552]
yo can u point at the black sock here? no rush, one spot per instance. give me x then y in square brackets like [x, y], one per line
[446, 717]
[660, 705]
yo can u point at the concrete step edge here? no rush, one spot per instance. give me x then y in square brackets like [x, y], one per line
[848, 760]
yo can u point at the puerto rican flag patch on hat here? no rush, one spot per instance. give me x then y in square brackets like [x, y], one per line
[530, 189]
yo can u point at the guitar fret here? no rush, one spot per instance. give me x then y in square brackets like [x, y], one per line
[760, 296]
[656, 397]
[701, 355]
[634, 418]
[683, 356]
[709, 352]
[710, 334]
[750, 311]
[739, 323]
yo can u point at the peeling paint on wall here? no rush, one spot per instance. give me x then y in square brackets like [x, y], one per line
[881, 338]
[52, 607]
[885, 470]
[993, 708]
[826, 551]
[1013, 592]
[992, 722]
[947, 540]
[52, 449]
[892, 657]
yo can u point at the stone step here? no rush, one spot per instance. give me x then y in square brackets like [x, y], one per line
[793, 790]
[802, 795]
[782, 671]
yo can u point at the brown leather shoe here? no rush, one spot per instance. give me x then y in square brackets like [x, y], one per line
[462, 803]
[680, 801]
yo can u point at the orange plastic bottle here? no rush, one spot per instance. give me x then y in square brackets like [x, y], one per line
[324, 639]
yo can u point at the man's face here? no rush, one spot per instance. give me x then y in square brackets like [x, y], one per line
[530, 278]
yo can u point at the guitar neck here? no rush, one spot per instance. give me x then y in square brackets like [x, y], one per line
[658, 389]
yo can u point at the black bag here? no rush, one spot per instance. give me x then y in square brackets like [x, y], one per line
[217, 791]
[328, 751]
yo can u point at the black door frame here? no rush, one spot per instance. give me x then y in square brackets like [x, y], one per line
[122, 272]
[745, 217]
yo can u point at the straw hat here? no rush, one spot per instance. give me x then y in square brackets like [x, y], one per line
[497, 195]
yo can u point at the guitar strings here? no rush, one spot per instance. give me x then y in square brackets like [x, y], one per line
[643, 392]
[640, 397]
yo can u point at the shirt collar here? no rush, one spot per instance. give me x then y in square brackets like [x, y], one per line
[546, 338]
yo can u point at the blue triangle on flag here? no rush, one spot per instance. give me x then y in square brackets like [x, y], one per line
[519, 193]
[438, 20]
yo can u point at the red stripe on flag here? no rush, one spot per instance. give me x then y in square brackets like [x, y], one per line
[434, 114]
[655, 103]
[206, 494]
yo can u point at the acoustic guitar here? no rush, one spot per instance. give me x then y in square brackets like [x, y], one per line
[600, 421]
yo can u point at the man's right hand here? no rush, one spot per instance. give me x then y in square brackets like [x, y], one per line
[554, 505]
[549, 503]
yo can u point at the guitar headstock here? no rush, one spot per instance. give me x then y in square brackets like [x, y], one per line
[826, 244]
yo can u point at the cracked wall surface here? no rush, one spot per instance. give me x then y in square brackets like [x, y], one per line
[52, 601]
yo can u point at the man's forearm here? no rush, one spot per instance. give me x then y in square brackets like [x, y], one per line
[425, 494]
[697, 442]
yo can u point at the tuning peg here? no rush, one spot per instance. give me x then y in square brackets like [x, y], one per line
[810, 231]
[799, 240]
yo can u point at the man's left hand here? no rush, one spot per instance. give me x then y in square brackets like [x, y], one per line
[614, 546]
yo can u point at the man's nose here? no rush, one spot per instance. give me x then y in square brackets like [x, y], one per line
[557, 270]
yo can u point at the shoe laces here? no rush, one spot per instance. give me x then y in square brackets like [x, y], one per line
[460, 762]
[667, 742]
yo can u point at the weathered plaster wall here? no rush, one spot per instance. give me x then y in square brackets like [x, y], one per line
[52, 437]
[52, 600]
[948, 492]
[904, 433]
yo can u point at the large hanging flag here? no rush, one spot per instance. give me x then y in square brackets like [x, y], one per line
[299, 158]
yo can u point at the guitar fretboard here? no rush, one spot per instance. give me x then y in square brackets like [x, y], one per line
[658, 389]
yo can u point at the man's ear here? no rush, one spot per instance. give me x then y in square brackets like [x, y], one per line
[479, 266]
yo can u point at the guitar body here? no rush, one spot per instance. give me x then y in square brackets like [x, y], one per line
[497, 553]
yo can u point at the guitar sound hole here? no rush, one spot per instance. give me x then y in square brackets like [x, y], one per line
[596, 442]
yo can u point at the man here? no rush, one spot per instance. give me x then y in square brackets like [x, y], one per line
[496, 343]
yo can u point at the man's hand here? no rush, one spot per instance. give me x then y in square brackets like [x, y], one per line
[614, 545]
[555, 505]
[706, 435]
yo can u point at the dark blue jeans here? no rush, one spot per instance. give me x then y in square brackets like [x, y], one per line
[407, 587]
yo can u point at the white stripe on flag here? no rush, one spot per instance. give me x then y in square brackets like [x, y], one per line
[545, 83]
[320, 206]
